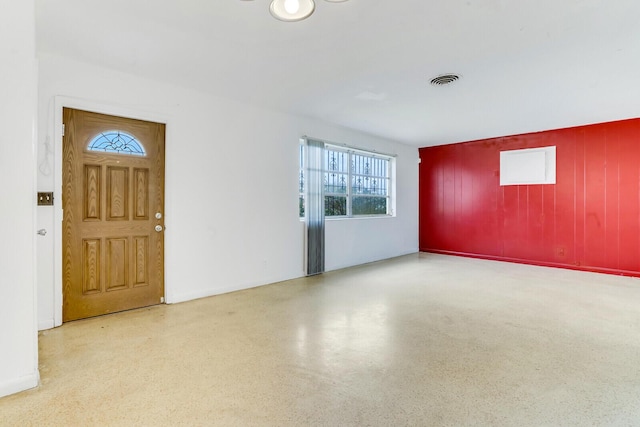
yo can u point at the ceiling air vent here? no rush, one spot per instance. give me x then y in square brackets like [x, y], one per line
[444, 79]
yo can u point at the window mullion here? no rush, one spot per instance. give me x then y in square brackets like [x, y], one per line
[389, 189]
[349, 181]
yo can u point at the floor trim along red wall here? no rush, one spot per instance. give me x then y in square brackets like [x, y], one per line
[589, 220]
[538, 263]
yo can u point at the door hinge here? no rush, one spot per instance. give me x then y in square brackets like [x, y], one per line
[63, 129]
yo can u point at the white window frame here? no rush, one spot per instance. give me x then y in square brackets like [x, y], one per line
[389, 177]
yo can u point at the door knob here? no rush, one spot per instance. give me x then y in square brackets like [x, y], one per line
[42, 232]
[158, 228]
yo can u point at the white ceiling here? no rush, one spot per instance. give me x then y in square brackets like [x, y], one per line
[526, 65]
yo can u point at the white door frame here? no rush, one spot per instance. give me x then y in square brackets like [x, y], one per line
[61, 102]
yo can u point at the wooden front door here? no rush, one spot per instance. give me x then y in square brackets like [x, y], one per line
[113, 214]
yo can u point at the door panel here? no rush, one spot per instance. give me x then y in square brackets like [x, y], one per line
[113, 258]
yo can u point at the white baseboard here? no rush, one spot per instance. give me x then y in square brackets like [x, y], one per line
[205, 293]
[190, 296]
[46, 324]
[19, 384]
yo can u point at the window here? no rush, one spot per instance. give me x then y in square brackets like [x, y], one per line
[116, 142]
[356, 183]
[301, 181]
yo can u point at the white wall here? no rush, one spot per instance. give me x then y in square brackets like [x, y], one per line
[18, 333]
[231, 185]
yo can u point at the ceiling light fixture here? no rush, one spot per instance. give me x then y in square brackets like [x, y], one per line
[294, 10]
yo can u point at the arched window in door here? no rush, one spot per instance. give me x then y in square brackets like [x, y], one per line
[116, 142]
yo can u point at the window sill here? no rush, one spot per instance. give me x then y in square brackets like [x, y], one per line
[348, 218]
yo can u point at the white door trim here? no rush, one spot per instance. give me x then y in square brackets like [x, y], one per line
[61, 102]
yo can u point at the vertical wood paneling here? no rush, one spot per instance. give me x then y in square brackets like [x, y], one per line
[535, 222]
[547, 235]
[92, 195]
[441, 216]
[91, 266]
[458, 213]
[511, 221]
[579, 197]
[141, 260]
[595, 196]
[589, 220]
[117, 264]
[141, 194]
[564, 203]
[629, 196]
[612, 200]
[117, 193]
[449, 232]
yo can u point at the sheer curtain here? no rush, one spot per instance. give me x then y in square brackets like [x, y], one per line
[314, 206]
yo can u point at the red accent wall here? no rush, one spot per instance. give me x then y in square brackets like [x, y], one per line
[588, 220]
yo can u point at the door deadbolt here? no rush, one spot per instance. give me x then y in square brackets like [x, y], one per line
[158, 215]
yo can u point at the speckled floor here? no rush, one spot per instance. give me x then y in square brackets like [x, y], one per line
[419, 340]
